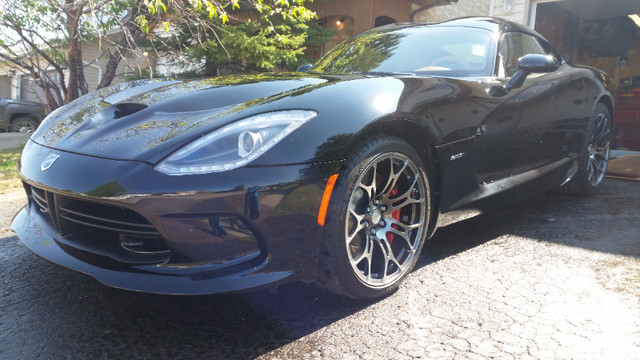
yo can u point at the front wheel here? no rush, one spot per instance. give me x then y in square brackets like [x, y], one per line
[377, 220]
[593, 158]
[24, 125]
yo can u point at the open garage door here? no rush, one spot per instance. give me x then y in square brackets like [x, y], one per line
[604, 34]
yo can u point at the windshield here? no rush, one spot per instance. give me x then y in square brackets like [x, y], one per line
[425, 50]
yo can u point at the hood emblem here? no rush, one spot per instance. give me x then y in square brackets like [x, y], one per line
[48, 161]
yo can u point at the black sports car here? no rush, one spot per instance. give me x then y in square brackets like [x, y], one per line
[336, 175]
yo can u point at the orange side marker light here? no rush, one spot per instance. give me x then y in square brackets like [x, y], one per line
[322, 213]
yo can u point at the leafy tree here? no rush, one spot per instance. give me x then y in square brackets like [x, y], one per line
[247, 42]
[43, 38]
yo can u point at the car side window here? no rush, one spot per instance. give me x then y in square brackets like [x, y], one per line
[513, 46]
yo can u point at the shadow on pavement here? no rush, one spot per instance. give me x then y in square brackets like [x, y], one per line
[50, 312]
[607, 222]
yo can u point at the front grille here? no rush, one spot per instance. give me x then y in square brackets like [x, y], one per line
[103, 229]
[40, 199]
[106, 217]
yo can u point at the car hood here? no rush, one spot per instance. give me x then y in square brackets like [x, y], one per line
[145, 120]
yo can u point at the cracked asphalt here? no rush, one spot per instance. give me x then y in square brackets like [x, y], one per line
[555, 277]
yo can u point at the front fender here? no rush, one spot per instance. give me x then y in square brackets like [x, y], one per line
[28, 111]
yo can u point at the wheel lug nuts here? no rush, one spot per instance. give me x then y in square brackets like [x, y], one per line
[365, 223]
[383, 208]
[381, 223]
[376, 201]
[373, 231]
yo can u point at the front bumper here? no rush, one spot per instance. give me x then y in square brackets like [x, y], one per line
[133, 228]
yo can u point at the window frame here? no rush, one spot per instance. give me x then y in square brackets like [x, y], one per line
[545, 46]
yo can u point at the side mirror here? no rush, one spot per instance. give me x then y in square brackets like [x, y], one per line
[530, 64]
[304, 68]
[538, 63]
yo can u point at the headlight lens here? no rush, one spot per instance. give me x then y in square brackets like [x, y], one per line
[234, 145]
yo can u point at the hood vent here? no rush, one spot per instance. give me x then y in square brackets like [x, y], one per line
[126, 109]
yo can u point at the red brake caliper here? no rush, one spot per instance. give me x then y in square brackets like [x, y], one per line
[395, 215]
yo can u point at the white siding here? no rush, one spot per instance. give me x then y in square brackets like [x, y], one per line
[95, 57]
[91, 58]
[447, 12]
[513, 10]
[5, 86]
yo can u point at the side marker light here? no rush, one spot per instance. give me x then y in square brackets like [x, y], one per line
[322, 213]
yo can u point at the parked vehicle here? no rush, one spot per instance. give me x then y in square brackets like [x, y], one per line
[338, 175]
[19, 115]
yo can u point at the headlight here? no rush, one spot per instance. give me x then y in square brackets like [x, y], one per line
[234, 145]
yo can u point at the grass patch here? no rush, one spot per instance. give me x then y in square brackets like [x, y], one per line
[9, 179]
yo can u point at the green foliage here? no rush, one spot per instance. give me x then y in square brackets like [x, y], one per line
[9, 179]
[317, 35]
[245, 36]
[260, 47]
[220, 10]
[253, 44]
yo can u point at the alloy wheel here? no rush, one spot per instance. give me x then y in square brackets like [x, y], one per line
[25, 126]
[386, 219]
[599, 149]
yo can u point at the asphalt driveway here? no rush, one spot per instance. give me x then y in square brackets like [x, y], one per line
[555, 277]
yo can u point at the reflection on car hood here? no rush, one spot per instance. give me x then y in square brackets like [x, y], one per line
[142, 119]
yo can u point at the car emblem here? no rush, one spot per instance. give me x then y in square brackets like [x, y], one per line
[48, 161]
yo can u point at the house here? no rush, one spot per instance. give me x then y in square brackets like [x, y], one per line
[16, 84]
[604, 34]
[598, 33]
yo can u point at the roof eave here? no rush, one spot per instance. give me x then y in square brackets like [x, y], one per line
[432, 3]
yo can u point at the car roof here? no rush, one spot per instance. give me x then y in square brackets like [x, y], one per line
[492, 24]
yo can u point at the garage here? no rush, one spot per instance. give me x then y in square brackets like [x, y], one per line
[605, 35]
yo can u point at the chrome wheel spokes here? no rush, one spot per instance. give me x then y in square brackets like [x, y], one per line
[599, 149]
[386, 220]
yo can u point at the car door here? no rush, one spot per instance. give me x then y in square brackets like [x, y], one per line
[536, 123]
[532, 126]
[3, 105]
[513, 130]
[488, 136]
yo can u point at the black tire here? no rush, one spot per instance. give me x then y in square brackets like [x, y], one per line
[23, 125]
[377, 220]
[594, 154]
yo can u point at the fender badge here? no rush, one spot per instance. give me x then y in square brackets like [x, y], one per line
[48, 161]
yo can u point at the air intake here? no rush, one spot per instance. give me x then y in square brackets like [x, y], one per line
[126, 109]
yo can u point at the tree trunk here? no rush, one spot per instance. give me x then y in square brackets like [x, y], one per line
[132, 34]
[74, 55]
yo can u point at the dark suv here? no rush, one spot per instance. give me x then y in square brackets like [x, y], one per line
[19, 115]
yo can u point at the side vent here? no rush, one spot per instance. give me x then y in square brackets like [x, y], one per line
[126, 109]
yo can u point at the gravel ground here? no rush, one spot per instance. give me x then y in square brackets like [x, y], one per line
[556, 277]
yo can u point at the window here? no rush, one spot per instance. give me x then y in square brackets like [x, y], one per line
[513, 46]
[384, 20]
[444, 51]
